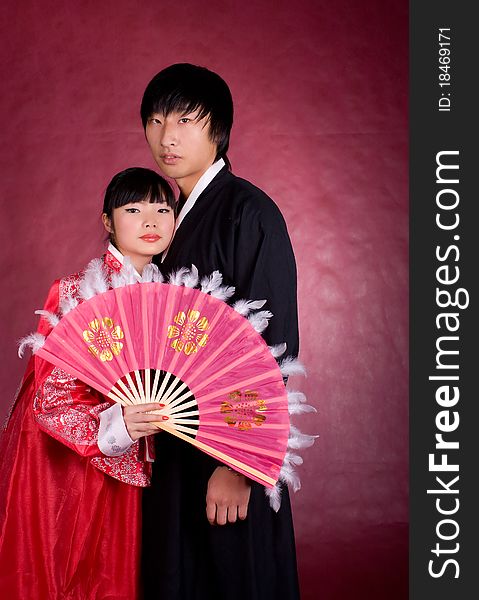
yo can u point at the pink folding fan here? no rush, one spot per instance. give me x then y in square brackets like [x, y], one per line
[219, 384]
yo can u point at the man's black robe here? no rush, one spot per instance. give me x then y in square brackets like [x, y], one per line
[234, 228]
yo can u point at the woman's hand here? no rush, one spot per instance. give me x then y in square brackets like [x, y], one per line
[227, 496]
[138, 423]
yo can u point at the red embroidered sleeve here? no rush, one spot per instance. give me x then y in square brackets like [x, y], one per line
[68, 410]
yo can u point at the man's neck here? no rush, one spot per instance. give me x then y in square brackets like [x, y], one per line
[181, 202]
[187, 184]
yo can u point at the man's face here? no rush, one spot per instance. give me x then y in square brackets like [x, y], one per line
[181, 147]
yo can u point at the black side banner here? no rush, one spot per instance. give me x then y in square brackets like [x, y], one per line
[444, 357]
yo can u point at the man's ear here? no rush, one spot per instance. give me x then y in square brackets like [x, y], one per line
[107, 224]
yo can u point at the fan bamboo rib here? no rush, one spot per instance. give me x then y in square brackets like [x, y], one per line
[239, 384]
[222, 456]
[195, 372]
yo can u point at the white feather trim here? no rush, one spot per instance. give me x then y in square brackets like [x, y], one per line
[151, 273]
[94, 280]
[52, 318]
[209, 283]
[244, 307]
[299, 440]
[299, 409]
[86, 290]
[223, 292]
[260, 320]
[277, 350]
[274, 495]
[67, 304]
[296, 403]
[34, 340]
[290, 477]
[292, 459]
[191, 278]
[117, 280]
[295, 397]
[177, 277]
[291, 366]
[126, 276]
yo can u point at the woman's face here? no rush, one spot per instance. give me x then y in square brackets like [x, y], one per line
[141, 230]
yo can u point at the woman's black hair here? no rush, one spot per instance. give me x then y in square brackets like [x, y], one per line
[187, 88]
[134, 185]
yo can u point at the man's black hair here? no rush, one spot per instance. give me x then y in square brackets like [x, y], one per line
[186, 88]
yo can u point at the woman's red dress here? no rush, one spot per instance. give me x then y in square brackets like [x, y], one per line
[70, 517]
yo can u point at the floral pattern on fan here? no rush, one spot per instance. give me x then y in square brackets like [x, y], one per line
[188, 333]
[244, 410]
[102, 337]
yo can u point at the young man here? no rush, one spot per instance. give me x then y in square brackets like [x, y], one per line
[240, 549]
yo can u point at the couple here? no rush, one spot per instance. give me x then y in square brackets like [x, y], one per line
[207, 533]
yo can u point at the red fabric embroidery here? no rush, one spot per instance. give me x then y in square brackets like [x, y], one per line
[59, 407]
[112, 262]
[69, 286]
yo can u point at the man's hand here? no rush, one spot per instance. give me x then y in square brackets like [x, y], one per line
[138, 423]
[227, 496]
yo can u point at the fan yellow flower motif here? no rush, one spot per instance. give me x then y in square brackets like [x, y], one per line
[188, 333]
[244, 410]
[102, 338]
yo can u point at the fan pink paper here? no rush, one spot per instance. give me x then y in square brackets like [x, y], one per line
[219, 385]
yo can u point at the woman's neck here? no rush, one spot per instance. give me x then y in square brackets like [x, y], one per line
[139, 262]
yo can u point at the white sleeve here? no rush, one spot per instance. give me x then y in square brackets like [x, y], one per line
[113, 438]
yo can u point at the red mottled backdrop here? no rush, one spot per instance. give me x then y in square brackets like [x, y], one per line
[320, 92]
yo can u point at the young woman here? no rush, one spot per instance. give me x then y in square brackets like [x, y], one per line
[73, 464]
